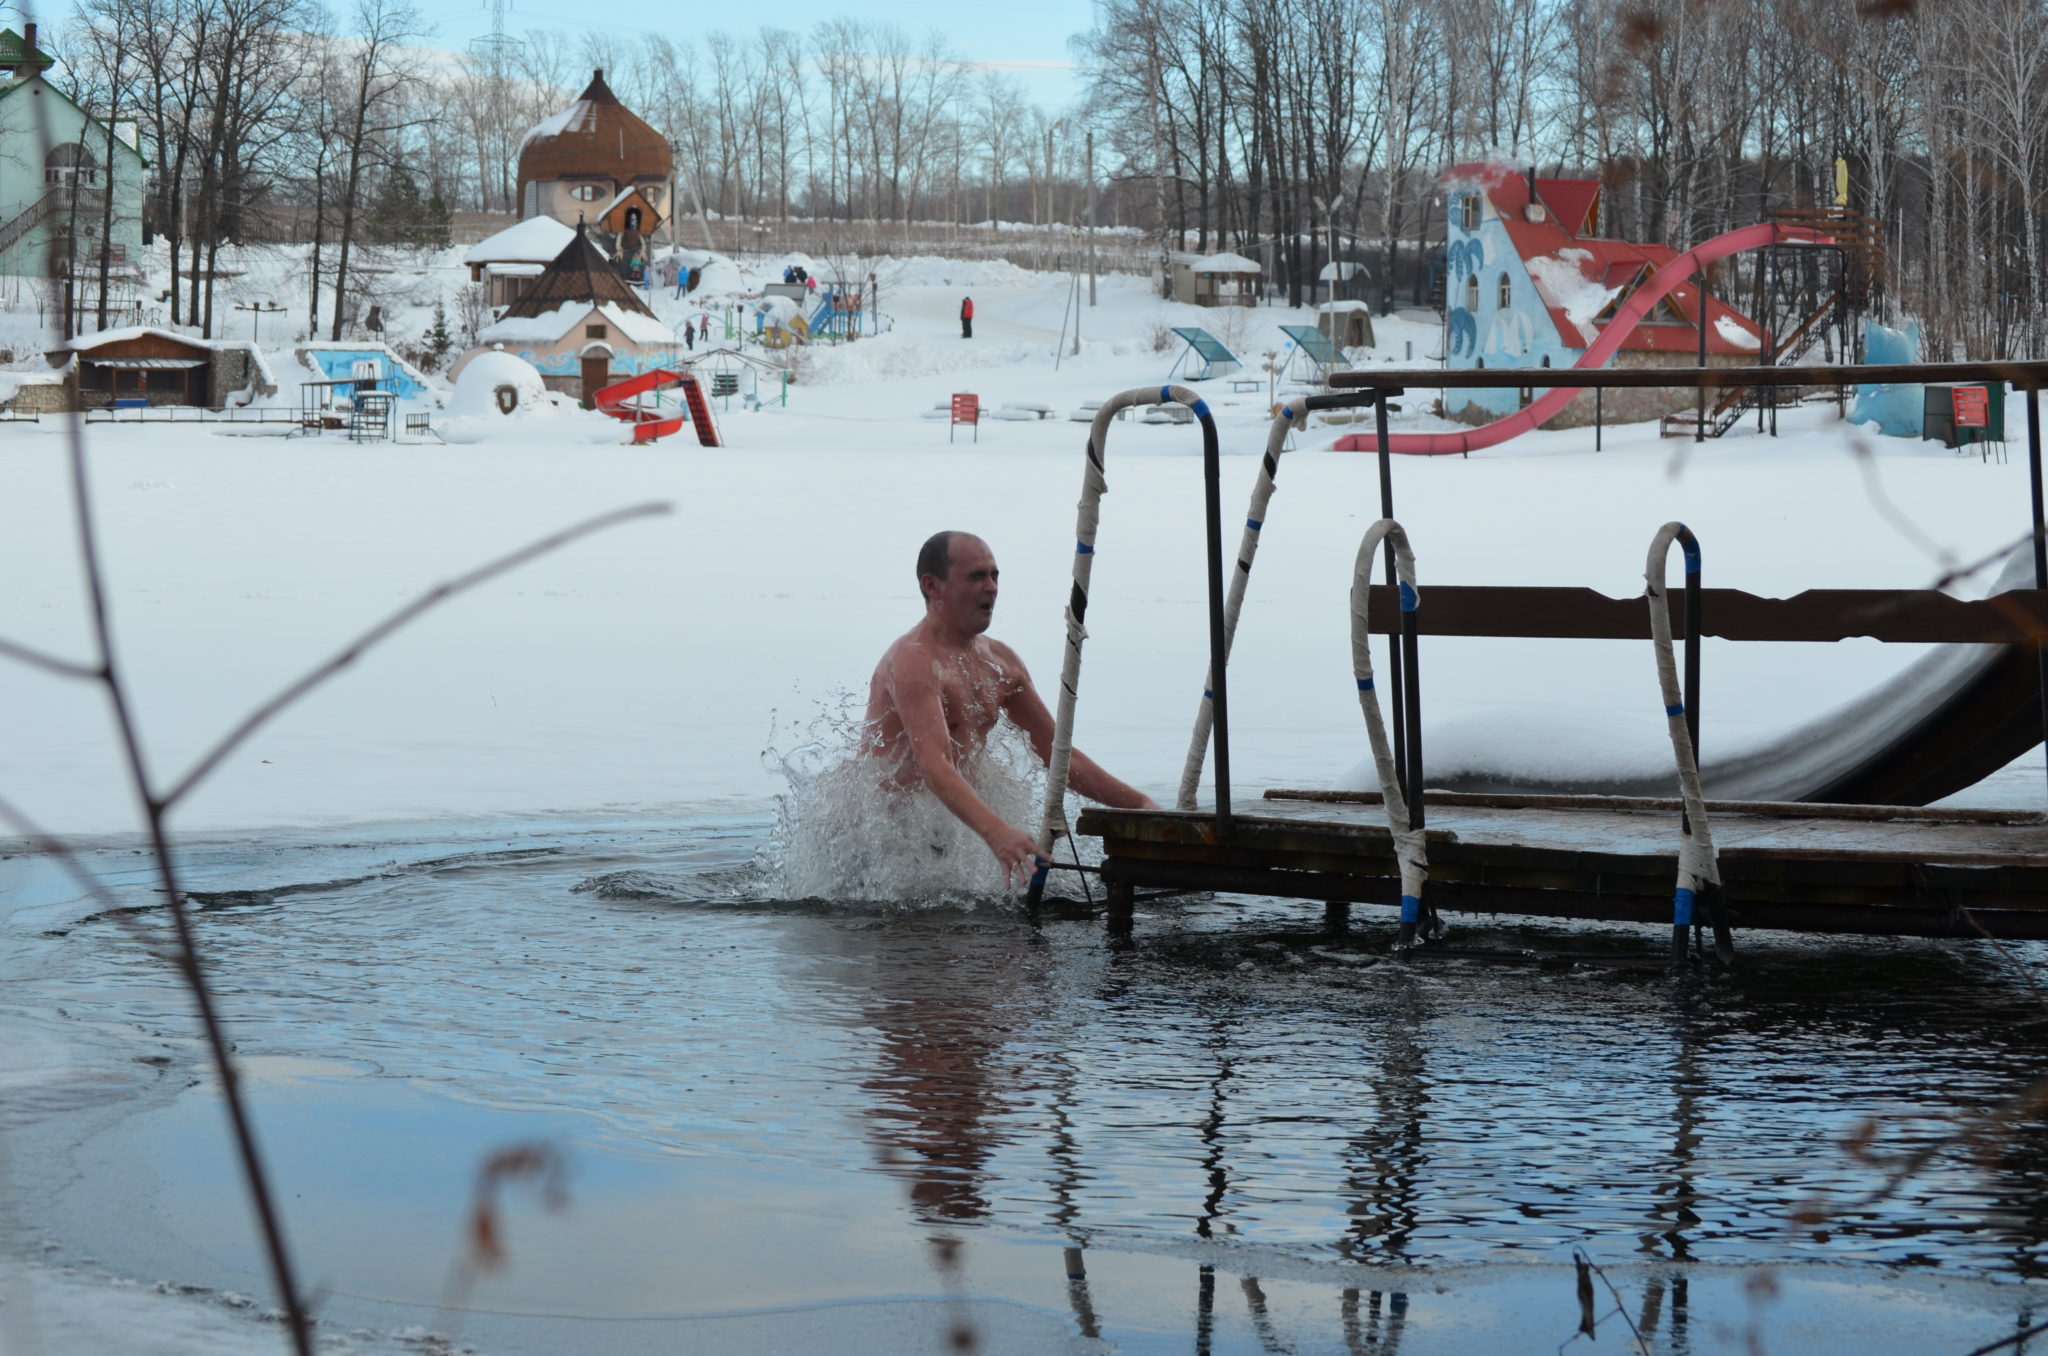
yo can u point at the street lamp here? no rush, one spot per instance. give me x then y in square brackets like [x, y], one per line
[1329, 211]
[257, 310]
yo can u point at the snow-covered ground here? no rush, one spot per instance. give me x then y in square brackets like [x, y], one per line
[645, 670]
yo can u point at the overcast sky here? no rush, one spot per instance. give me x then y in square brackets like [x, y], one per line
[1029, 41]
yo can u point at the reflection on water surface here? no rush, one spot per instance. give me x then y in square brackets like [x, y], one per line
[1234, 1080]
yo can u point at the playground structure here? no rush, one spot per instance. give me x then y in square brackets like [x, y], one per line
[729, 372]
[363, 405]
[1816, 281]
[1837, 843]
[629, 401]
[1313, 351]
[840, 313]
[1206, 349]
[1311, 357]
[1637, 305]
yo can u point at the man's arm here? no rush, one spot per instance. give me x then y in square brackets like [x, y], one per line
[1084, 774]
[915, 692]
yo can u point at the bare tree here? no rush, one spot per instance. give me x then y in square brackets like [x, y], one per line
[382, 68]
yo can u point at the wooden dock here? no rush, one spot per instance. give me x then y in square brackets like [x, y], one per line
[1880, 869]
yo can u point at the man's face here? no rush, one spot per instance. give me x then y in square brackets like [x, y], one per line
[965, 599]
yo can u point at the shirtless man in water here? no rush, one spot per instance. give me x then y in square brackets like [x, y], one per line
[938, 691]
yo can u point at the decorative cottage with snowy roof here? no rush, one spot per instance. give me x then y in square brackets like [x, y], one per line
[1531, 284]
[595, 162]
[579, 324]
[508, 263]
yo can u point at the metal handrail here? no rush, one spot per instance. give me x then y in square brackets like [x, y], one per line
[1400, 788]
[1699, 874]
[1094, 485]
[1290, 416]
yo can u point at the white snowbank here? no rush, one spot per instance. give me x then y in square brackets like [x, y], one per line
[476, 390]
[1562, 282]
[1727, 327]
[551, 326]
[574, 118]
[536, 240]
[85, 343]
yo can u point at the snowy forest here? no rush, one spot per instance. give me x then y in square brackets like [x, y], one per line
[1271, 127]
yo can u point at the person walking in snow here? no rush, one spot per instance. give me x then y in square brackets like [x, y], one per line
[689, 336]
[967, 317]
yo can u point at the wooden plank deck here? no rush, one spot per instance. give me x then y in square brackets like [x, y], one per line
[1892, 870]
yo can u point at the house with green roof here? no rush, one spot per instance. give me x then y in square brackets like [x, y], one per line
[56, 192]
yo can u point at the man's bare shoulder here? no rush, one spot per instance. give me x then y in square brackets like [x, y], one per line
[909, 655]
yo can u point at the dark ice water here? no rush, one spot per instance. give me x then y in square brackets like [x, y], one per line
[1234, 1077]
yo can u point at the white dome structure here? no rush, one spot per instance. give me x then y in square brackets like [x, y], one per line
[496, 383]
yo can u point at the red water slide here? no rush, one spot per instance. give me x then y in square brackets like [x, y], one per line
[1631, 314]
[619, 401]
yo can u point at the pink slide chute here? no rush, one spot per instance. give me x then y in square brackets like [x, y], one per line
[1631, 314]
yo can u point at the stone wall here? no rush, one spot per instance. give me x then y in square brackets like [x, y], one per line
[43, 397]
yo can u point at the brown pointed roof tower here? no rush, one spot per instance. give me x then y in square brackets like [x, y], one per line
[596, 137]
[580, 273]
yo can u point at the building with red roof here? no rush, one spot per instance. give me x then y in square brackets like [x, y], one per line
[1531, 283]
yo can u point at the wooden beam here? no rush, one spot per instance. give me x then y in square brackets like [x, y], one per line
[1769, 809]
[2024, 375]
[1922, 616]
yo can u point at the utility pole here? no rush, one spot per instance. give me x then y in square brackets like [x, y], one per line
[1092, 195]
[497, 50]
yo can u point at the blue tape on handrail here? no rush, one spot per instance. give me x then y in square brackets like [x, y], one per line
[1287, 412]
[1677, 710]
[1201, 409]
[1082, 548]
[1411, 909]
[1692, 555]
[1408, 599]
[1208, 695]
[1253, 523]
[1365, 685]
[1681, 908]
[1165, 394]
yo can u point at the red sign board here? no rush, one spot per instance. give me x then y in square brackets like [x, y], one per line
[966, 410]
[1972, 406]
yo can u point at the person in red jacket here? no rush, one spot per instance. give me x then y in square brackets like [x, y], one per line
[967, 317]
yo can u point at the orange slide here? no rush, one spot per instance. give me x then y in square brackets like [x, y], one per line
[1630, 315]
[619, 402]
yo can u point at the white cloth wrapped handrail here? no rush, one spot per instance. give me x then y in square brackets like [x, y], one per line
[1409, 847]
[1289, 418]
[1053, 820]
[1698, 869]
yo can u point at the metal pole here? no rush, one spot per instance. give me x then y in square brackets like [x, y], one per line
[1396, 687]
[1411, 664]
[1699, 429]
[1599, 413]
[1218, 650]
[1092, 196]
[2040, 540]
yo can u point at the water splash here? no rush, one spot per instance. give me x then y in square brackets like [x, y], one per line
[842, 835]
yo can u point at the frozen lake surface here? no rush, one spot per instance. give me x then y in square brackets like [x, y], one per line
[1261, 1137]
